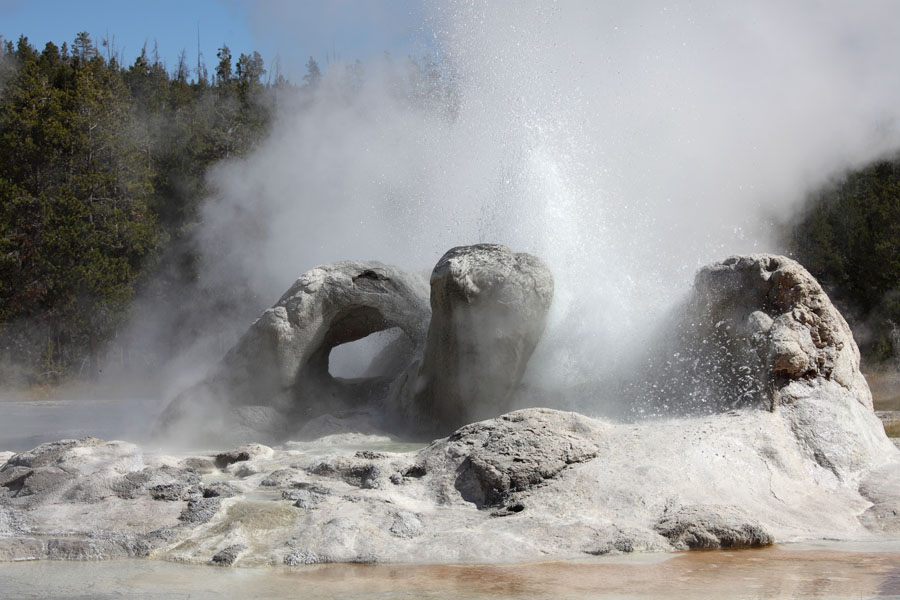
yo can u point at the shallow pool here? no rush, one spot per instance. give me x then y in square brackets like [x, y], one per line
[825, 570]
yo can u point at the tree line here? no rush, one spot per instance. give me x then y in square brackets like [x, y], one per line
[102, 171]
[848, 236]
[101, 178]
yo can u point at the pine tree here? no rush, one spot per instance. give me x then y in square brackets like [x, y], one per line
[849, 238]
[313, 74]
[223, 69]
[100, 166]
[74, 197]
[83, 48]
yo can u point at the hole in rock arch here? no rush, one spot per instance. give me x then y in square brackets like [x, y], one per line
[383, 353]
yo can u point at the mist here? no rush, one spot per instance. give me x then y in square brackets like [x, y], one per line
[625, 144]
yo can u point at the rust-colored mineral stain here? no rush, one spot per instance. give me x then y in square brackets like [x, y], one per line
[827, 571]
[764, 573]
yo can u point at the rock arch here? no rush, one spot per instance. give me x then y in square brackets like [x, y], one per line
[277, 374]
[463, 357]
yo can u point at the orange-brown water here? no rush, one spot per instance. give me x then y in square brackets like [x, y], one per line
[819, 571]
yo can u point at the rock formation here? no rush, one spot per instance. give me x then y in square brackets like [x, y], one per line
[760, 332]
[277, 377]
[773, 308]
[755, 325]
[797, 454]
[488, 306]
[528, 485]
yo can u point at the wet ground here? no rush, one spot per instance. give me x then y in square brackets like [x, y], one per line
[822, 570]
[29, 423]
[788, 571]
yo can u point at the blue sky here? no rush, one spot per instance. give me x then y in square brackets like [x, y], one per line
[293, 29]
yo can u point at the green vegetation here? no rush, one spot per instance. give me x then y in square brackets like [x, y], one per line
[101, 171]
[849, 238]
[102, 176]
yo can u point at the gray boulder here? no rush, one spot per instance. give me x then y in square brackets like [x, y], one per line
[490, 461]
[227, 556]
[489, 307]
[244, 453]
[771, 306]
[710, 527]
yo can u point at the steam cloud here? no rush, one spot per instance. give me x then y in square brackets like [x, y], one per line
[624, 143]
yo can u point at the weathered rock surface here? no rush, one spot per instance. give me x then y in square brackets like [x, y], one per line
[226, 556]
[531, 484]
[277, 377]
[87, 500]
[488, 306]
[491, 461]
[710, 527]
[242, 454]
[758, 331]
[881, 486]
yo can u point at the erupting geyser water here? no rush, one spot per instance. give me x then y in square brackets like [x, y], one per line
[625, 144]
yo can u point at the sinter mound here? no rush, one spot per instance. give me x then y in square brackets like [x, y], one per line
[781, 445]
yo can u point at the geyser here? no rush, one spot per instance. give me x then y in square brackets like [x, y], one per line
[626, 144]
[577, 133]
[803, 457]
[754, 327]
